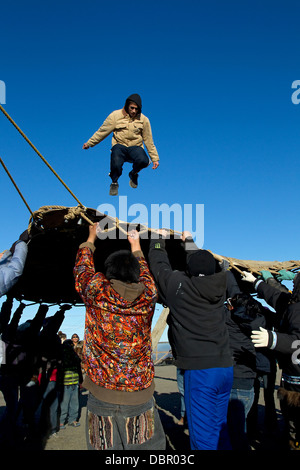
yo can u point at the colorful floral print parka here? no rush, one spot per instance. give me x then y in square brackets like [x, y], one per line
[117, 346]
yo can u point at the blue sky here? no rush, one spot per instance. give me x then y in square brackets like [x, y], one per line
[216, 80]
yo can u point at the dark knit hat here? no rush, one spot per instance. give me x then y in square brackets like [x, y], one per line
[201, 262]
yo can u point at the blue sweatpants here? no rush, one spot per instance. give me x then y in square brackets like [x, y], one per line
[206, 395]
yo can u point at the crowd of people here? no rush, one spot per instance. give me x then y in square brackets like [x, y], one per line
[225, 342]
[40, 376]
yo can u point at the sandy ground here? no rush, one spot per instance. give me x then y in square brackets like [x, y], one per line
[168, 403]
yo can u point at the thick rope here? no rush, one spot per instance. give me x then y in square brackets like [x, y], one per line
[12, 180]
[73, 212]
[39, 154]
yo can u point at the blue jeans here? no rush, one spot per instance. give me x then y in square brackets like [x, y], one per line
[69, 407]
[123, 427]
[206, 395]
[121, 154]
[180, 384]
[239, 406]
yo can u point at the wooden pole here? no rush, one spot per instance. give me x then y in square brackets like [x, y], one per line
[159, 327]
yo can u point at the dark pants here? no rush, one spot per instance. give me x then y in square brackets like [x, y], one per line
[267, 381]
[9, 386]
[239, 406]
[121, 154]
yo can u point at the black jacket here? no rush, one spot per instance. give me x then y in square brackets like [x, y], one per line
[243, 353]
[197, 332]
[287, 346]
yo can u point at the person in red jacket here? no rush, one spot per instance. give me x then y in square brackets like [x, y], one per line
[117, 352]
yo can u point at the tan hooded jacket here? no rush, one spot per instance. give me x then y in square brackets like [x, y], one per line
[126, 131]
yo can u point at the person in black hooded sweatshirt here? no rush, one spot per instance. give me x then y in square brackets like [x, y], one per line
[131, 130]
[198, 337]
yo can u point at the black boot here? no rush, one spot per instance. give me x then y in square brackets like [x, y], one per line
[133, 179]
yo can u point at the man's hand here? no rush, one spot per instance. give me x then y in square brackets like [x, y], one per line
[265, 275]
[134, 240]
[24, 236]
[224, 265]
[260, 339]
[155, 165]
[186, 234]
[162, 232]
[284, 275]
[248, 277]
[85, 146]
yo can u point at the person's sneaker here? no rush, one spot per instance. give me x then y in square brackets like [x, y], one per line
[113, 190]
[133, 180]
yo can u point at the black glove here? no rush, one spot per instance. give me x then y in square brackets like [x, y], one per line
[24, 237]
[224, 265]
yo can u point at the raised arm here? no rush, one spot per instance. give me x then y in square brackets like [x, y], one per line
[145, 276]
[11, 267]
[107, 127]
[159, 262]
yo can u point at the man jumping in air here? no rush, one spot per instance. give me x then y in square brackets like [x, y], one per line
[131, 129]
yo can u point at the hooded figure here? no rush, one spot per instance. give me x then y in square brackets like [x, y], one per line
[199, 339]
[135, 98]
[131, 131]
